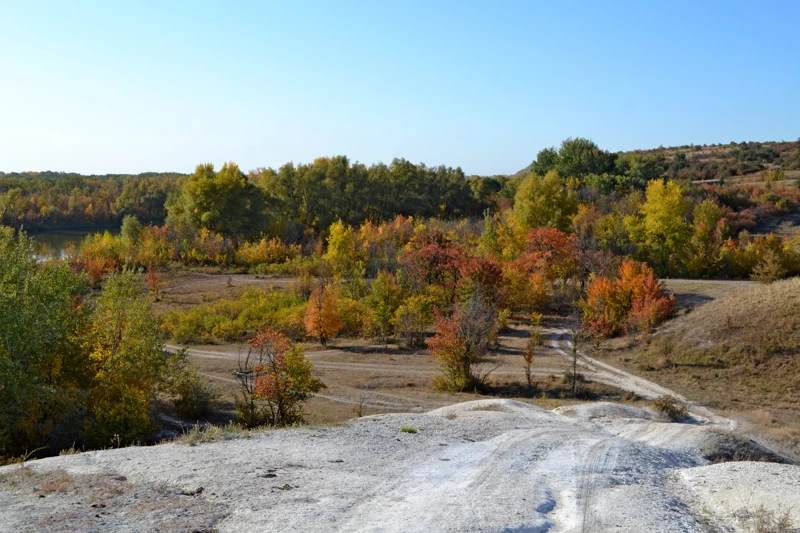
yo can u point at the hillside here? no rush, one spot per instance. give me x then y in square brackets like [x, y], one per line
[745, 162]
[480, 466]
[740, 352]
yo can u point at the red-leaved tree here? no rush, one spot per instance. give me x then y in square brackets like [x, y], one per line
[276, 380]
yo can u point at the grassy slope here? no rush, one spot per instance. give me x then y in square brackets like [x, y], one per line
[739, 353]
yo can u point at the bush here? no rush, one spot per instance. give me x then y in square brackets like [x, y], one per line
[193, 397]
[355, 317]
[672, 408]
[266, 251]
[232, 319]
[275, 381]
[460, 343]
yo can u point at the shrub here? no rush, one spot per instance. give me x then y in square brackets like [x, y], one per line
[227, 319]
[764, 520]
[409, 429]
[193, 397]
[672, 408]
[275, 381]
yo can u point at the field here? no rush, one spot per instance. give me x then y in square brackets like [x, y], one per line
[365, 378]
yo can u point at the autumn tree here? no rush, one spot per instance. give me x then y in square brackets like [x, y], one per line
[545, 201]
[383, 300]
[710, 229]
[412, 318]
[550, 252]
[346, 259]
[128, 361]
[635, 299]
[533, 343]
[482, 275]
[489, 243]
[660, 228]
[431, 258]
[276, 379]
[461, 341]
[322, 318]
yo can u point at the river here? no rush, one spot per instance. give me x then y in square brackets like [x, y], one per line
[58, 243]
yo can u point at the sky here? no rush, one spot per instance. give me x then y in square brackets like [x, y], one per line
[128, 87]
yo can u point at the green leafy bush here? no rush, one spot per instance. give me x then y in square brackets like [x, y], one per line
[229, 320]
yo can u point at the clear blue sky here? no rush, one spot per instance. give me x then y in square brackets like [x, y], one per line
[137, 86]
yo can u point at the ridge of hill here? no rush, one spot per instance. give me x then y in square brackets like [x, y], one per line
[739, 162]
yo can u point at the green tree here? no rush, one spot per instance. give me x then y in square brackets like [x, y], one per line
[43, 368]
[224, 202]
[131, 229]
[545, 201]
[580, 157]
[546, 160]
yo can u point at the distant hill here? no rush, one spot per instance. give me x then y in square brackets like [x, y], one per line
[739, 162]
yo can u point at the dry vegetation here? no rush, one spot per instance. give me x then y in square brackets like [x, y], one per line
[739, 353]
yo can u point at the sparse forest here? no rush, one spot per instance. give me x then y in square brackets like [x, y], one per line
[420, 256]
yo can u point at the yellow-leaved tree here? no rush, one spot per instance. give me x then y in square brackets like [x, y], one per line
[126, 352]
[660, 228]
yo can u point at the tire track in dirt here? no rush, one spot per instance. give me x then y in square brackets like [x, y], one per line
[399, 403]
[600, 459]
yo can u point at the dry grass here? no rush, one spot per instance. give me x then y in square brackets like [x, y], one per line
[762, 319]
[199, 434]
[740, 353]
[763, 520]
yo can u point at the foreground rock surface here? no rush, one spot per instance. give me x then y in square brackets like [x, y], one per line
[491, 465]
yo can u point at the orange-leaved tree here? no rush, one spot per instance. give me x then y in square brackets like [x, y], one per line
[276, 380]
[635, 299]
[461, 341]
[322, 317]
